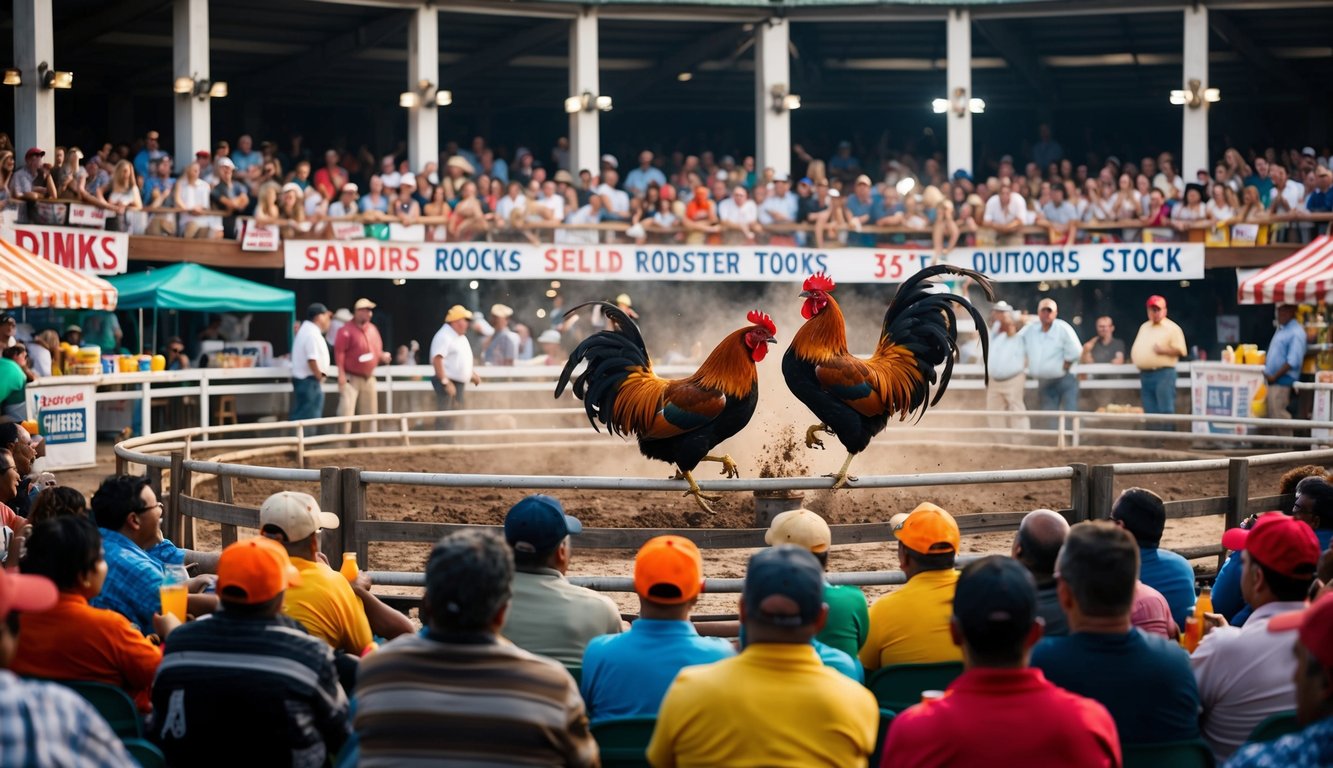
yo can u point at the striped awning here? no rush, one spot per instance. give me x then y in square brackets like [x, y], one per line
[28, 280]
[1304, 276]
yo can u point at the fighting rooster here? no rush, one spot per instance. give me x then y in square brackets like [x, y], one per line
[678, 421]
[854, 398]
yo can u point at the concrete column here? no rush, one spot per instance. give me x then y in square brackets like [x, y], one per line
[423, 63]
[189, 43]
[1194, 134]
[958, 30]
[772, 67]
[585, 139]
[34, 106]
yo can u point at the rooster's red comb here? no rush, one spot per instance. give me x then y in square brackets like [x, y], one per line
[762, 319]
[818, 282]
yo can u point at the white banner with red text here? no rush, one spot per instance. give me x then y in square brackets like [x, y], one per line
[325, 259]
[91, 251]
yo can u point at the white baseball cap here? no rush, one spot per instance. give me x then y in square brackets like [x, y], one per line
[297, 514]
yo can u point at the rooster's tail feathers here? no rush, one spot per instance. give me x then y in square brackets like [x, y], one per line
[612, 356]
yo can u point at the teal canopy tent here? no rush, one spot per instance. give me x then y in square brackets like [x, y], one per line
[193, 288]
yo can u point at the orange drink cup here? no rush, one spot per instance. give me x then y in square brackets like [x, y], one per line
[174, 600]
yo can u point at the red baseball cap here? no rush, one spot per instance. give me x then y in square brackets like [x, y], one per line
[1315, 623]
[1157, 301]
[25, 593]
[202, 153]
[34, 151]
[1279, 542]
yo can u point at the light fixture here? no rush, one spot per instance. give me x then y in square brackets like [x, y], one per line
[52, 78]
[13, 76]
[399, 281]
[959, 103]
[587, 102]
[782, 100]
[427, 94]
[685, 77]
[198, 87]
[1195, 95]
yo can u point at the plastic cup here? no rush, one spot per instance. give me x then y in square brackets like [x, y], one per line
[175, 591]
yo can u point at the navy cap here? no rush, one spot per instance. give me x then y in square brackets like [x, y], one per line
[961, 174]
[995, 603]
[785, 571]
[315, 310]
[538, 523]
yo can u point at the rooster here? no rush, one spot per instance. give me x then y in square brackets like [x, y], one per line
[678, 421]
[854, 398]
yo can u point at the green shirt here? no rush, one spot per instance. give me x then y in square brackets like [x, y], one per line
[12, 382]
[848, 619]
[550, 617]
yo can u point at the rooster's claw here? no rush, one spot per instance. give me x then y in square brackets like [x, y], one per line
[840, 480]
[811, 441]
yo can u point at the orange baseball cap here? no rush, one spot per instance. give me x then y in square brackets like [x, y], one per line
[928, 529]
[669, 570]
[255, 571]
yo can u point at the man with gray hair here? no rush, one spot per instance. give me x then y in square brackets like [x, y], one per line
[458, 692]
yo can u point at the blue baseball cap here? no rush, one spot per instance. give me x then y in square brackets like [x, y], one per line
[784, 587]
[961, 174]
[538, 523]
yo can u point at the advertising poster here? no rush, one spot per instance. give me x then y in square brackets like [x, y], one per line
[66, 416]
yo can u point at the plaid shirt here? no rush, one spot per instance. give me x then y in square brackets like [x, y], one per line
[134, 578]
[43, 724]
[1310, 748]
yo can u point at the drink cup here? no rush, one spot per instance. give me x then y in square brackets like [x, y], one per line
[175, 591]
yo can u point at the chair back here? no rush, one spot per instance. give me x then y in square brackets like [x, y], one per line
[885, 720]
[111, 703]
[1171, 754]
[899, 686]
[624, 741]
[1274, 727]
[577, 674]
[145, 753]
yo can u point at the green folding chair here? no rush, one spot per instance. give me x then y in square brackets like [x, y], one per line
[577, 674]
[111, 703]
[624, 741]
[1275, 727]
[885, 720]
[899, 686]
[1171, 754]
[145, 753]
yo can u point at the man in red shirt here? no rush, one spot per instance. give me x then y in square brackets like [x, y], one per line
[1000, 711]
[357, 350]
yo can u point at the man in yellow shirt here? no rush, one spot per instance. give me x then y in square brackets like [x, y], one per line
[775, 704]
[1157, 348]
[911, 624]
[325, 603]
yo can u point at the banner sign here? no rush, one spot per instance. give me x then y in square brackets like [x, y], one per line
[67, 419]
[86, 216]
[323, 259]
[1323, 406]
[95, 252]
[1223, 389]
[260, 237]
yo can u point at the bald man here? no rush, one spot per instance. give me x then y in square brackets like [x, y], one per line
[1036, 545]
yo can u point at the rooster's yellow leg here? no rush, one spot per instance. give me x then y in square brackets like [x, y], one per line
[700, 497]
[728, 465]
[814, 442]
[841, 478]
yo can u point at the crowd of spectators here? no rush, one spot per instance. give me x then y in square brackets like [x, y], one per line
[1067, 651]
[479, 192]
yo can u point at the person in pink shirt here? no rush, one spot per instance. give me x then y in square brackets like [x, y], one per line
[357, 350]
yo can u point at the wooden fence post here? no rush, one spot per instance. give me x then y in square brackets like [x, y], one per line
[1238, 496]
[1078, 493]
[227, 495]
[333, 543]
[176, 527]
[1101, 492]
[354, 511]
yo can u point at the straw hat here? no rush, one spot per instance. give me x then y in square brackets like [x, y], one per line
[932, 196]
[461, 163]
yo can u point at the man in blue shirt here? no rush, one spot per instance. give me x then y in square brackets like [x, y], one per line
[627, 675]
[864, 209]
[1282, 366]
[1142, 513]
[1143, 680]
[129, 515]
[1052, 347]
[636, 183]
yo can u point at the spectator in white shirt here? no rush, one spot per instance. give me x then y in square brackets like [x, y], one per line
[739, 217]
[588, 214]
[1005, 213]
[615, 202]
[509, 209]
[551, 204]
[346, 204]
[1288, 195]
[192, 194]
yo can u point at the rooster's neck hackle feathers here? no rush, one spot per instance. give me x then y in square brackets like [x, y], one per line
[729, 369]
[823, 336]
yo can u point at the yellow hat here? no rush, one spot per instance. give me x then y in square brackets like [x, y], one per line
[457, 312]
[624, 299]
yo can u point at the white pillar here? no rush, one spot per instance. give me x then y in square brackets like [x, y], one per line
[1194, 134]
[189, 43]
[585, 140]
[772, 67]
[959, 73]
[423, 63]
[34, 106]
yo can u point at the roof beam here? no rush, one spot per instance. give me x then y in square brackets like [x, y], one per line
[1258, 56]
[490, 57]
[339, 49]
[721, 41]
[84, 29]
[1020, 56]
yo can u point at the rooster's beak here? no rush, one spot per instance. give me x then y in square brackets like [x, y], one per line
[805, 294]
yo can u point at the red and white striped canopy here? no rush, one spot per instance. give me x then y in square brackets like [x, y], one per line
[1304, 276]
[28, 280]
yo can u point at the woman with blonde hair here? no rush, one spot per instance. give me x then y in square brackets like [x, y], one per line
[469, 219]
[6, 177]
[266, 209]
[438, 211]
[944, 231]
[121, 195]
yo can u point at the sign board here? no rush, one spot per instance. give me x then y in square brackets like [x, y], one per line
[1323, 406]
[87, 216]
[67, 419]
[260, 237]
[92, 251]
[324, 259]
[1223, 389]
[346, 230]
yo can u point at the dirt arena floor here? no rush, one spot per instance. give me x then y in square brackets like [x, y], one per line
[773, 453]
